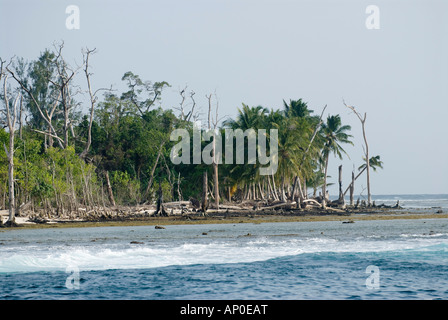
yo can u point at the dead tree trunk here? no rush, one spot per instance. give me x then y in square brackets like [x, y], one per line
[214, 155]
[109, 190]
[20, 116]
[179, 194]
[160, 210]
[204, 193]
[366, 151]
[352, 189]
[341, 194]
[11, 121]
[216, 184]
[62, 84]
[151, 178]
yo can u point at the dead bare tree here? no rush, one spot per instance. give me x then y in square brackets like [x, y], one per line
[45, 116]
[214, 122]
[184, 115]
[151, 178]
[341, 200]
[110, 194]
[93, 99]
[62, 83]
[11, 119]
[65, 76]
[352, 188]
[204, 203]
[366, 149]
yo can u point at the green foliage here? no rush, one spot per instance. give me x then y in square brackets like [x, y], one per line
[129, 130]
[126, 189]
[374, 163]
[334, 134]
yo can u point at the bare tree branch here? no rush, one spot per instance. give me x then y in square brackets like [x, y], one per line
[366, 150]
[28, 91]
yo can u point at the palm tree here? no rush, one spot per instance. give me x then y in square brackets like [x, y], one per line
[306, 127]
[247, 118]
[334, 134]
[289, 149]
[297, 108]
[374, 163]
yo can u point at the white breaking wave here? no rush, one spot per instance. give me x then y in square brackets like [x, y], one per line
[140, 256]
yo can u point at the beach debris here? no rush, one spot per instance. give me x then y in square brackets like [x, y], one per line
[159, 227]
[37, 220]
[439, 211]
[348, 221]
[137, 242]
[397, 206]
[204, 233]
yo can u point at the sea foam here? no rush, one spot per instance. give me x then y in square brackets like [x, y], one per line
[141, 256]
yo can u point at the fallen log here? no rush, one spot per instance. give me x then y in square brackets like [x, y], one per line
[177, 204]
[311, 202]
[280, 205]
[335, 210]
[228, 207]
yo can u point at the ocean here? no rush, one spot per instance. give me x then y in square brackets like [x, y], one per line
[376, 259]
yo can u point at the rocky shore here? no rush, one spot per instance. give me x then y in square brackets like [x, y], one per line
[185, 212]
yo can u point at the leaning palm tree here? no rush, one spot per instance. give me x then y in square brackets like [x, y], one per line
[374, 163]
[334, 134]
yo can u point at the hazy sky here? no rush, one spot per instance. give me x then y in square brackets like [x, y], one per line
[261, 52]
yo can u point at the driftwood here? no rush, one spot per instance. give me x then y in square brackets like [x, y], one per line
[229, 207]
[311, 202]
[177, 204]
[283, 205]
[334, 209]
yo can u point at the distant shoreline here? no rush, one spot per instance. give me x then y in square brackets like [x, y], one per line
[241, 217]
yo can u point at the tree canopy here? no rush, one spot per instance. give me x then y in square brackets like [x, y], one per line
[130, 141]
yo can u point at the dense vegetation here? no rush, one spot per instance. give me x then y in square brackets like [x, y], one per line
[65, 159]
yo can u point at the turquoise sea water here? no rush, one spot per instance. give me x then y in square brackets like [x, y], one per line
[395, 259]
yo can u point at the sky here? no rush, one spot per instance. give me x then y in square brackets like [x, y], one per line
[263, 52]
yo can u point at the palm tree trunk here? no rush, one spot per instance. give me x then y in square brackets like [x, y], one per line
[324, 188]
[282, 190]
[274, 188]
[270, 191]
[300, 198]
[304, 190]
[260, 191]
[293, 191]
